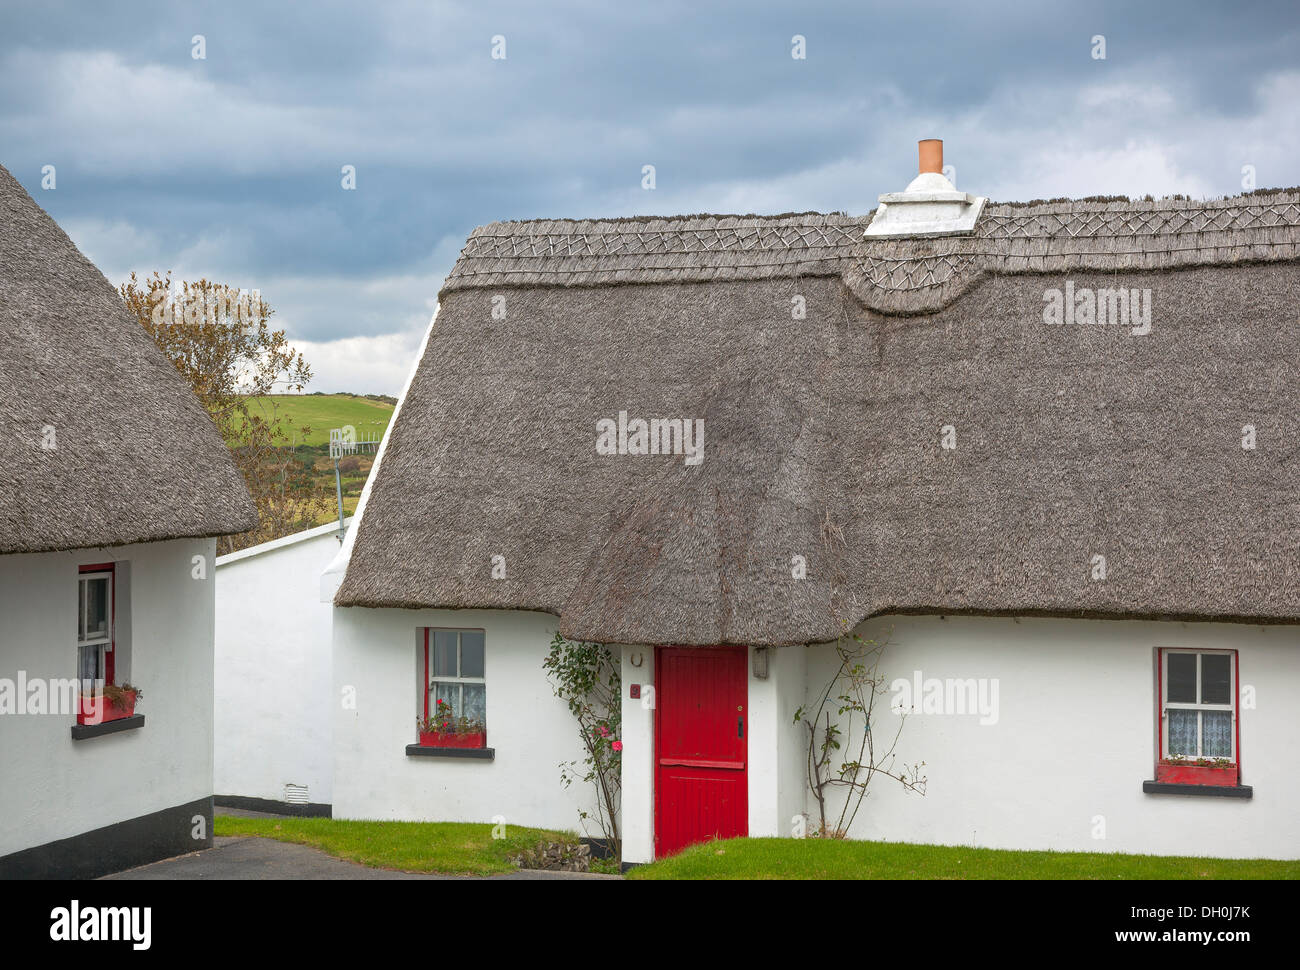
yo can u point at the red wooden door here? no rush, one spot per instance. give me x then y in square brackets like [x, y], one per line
[701, 742]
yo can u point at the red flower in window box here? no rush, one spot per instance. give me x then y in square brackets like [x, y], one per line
[111, 703]
[443, 729]
[1197, 771]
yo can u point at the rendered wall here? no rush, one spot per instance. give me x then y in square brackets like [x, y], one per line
[375, 661]
[274, 686]
[54, 787]
[638, 754]
[1075, 738]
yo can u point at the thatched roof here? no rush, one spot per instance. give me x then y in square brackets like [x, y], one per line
[135, 457]
[823, 434]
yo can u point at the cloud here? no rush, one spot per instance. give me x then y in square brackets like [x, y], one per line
[229, 167]
[362, 365]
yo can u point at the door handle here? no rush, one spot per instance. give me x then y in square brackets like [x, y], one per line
[740, 726]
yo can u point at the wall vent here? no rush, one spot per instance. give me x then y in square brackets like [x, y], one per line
[295, 794]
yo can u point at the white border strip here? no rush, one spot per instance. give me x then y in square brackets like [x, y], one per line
[280, 543]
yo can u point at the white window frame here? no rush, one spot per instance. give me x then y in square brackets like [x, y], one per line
[458, 680]
[1166, 705]
[84, 640]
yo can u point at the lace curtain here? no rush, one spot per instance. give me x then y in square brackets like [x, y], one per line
[1215, 728]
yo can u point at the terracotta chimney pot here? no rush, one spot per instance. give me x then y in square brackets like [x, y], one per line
[930, 151]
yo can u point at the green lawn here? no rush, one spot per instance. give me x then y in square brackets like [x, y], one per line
[468, 848]
[448, 847]
[320, 412]
[829, 859]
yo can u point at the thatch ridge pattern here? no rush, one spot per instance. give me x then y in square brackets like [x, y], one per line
[890, 275]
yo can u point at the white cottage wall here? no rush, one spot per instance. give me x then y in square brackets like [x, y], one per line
[777, 751]
[791, 670]
[55, 787]
[530, 730]
[1062, 768]
[638, 754]
[275, 698]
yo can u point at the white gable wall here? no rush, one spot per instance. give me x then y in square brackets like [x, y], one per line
[1075, 739]
[375, 661]
[274, 686]
[54, 787]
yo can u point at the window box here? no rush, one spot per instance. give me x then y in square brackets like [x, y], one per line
[102, 708]
[443, 739]
[1193, 774]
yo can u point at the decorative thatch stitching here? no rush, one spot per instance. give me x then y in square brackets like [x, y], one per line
[822, 437]
[894, 276]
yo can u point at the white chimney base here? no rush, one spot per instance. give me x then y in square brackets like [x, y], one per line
[929, 206]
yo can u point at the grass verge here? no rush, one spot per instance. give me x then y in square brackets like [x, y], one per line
[830, 859]
[446, 847]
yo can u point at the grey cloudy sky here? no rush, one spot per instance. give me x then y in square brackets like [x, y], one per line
[229, 166]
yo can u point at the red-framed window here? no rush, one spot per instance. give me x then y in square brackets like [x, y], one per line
[454, 692]
[1197, 716]
[96, 618]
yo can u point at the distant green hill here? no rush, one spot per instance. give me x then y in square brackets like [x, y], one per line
[320, 412]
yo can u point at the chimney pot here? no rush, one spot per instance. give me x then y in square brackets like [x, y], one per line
[930, 151]
[930, 205]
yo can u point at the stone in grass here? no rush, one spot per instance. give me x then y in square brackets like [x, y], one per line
[562, 856]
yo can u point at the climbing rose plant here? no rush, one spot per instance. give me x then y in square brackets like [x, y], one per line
[586, 677]
[842, 757]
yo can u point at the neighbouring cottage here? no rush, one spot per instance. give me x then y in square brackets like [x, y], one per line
[274, 717]
[1049, 451]
[112, 484]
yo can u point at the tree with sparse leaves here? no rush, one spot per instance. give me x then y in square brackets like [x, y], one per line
[220, 340]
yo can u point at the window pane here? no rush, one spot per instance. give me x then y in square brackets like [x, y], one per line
[1182, 678]
[94, 618]
[444, 692]
[88, 663]
[471, 654]
[1182, 732]
[1217, 727]
[444, 654]
[1215, 686]
[475, 701]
